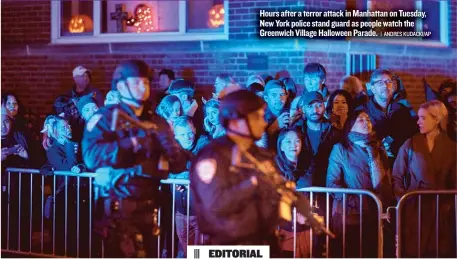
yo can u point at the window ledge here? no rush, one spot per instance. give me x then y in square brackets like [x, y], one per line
[131, 37]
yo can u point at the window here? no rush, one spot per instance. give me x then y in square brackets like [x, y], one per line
[437, 20]
[99, 21]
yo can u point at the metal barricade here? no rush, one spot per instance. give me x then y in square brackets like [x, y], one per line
[20, 190]
[23, 204]
[173, 184]
[85, 238]
[414, 198]
[312, 191]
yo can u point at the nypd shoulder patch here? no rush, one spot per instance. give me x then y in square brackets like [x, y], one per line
[93, 121]
[206, 169]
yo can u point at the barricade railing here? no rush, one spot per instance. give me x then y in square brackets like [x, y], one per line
[313, 193]
[25, 200]
[433, 209]
[68, 229]
[22, 193]
[174, 183]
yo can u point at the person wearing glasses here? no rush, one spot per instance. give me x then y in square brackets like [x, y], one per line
[389, 111]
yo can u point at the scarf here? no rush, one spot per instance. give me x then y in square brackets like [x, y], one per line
[363, 140]
[370, 144]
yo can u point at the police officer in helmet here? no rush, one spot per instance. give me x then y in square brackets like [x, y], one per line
[131, 149]
[235, 204]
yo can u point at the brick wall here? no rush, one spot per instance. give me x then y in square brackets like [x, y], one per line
[38, 71]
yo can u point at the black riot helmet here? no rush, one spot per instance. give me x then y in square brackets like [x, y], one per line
[130, 68]
[237, 105]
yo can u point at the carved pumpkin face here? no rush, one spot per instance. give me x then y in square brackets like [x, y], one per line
[216, 16]
[80, 23]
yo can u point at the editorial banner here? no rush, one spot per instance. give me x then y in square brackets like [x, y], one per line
[200, 252]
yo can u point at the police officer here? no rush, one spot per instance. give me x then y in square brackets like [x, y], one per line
[229, 203]
[237, 201]
[124, 143]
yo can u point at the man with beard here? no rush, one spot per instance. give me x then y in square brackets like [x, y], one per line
[319, 137]
[276, 114]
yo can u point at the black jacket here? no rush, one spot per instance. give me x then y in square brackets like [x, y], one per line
[15, 138]
[229, 208]
[103, 147]
[398, 121]
[63, 157]
[291, 173]
[315, 165]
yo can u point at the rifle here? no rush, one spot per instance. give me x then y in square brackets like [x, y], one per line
[284, 188]
[121, 116]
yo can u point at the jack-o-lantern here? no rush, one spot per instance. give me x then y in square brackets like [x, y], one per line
[216, 16]
[80, 23]
[143, 20]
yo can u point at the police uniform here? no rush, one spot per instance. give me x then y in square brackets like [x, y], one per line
[128, 178]
[229, 208]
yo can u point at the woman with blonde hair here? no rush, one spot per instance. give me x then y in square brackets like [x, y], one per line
[47, 131]
[427, 161]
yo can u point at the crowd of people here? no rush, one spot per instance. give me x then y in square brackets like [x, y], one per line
[361, 136]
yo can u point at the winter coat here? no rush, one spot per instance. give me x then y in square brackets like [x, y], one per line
[416, 168]
[349, 168]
